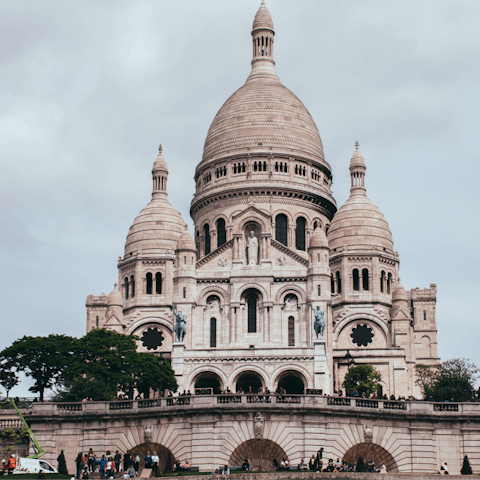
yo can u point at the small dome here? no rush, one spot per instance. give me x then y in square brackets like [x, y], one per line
[318, 239]
[114, 298]
[357, 158]
[160, 162]
[360, 224]
[263, 19]
[399, 293]
[186, 241]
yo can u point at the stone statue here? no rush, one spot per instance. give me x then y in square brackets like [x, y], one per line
[148, 433]
[258, 426]
[319, 324]
[180, 327]
[291, 303]
[252, 249]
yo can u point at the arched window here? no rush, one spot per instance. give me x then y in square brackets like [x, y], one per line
[389, 284]
[332, 284]
[424, 315]
[184, 292]
[281, 229]
[382, 282]
[221, 232]
[315, 225]
[300, 234]
[339, 282]
[213, 332]
[132, 283]
[127, 290]
[206, 234]
[291, 332]
[149, 283]
[158, 283]
[356, 279]
[252, 312]
[365, 279]
[319, 290]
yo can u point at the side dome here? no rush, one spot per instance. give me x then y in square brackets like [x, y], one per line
[186, 241]
[263, 19]
[399, 293]
[318, 239]
[114, 298]
[358, 222]
[158, 227]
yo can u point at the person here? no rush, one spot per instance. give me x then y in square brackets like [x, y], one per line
[155, 461]
[109, 467]
[371, 466]
[117, 459]
[4, 467]
[383, 469]
[91, 459]
[287, 464]
[303, 465]
[131, 471]
[186, 466]
[126, 476]
[136, 463]
[86, 475]
[148, 460]
[225, 470]
[246, 463]
[103, 462]
[444, 468]
[282, 465]
[80, 463]
[311, 464]
[127, 460]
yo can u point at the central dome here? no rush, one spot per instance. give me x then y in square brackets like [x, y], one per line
[264, 112]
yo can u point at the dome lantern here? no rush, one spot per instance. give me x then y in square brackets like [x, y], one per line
[160, 174]
[357, 172]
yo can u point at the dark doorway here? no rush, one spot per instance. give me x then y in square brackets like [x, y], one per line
[249, 379]
[292, 384]
[209, 381]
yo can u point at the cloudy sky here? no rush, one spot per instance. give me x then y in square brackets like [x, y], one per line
[88, 90]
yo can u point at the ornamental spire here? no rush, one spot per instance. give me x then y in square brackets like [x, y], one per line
[357, 172]
[160, 174]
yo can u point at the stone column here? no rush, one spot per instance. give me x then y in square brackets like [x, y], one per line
[178, 350]
[321, 371]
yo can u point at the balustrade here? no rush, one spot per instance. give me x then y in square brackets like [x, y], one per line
[69, 407]
[121, 405]
[338, 401]
[445, 407]
[178, 401]
[366, 403]
[229, 399]
[390, 405]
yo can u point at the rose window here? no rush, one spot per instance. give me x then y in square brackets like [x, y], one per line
[152, 338]
[362, 335]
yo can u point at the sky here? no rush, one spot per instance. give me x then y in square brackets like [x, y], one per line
[88, 90]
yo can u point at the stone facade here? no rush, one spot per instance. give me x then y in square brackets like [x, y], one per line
[269, 247]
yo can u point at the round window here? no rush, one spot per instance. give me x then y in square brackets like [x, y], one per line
[362, 335]
[152, 338]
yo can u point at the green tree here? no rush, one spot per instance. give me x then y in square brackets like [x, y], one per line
[168, 377]
[455, 379]
[8, 379]
[42, 358]
[85, 387]
[363, 378]
[466, 468]
[425, 377]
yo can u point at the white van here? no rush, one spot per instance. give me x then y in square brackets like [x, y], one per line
[33, 465]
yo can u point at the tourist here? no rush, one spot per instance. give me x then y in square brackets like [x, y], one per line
[444, 469]
[85, 475]
[79, 461]
[136, 463]
[148, 460]
[103, 462]
[246, 465]
[91, 460]
[303, 465]
[117, 459]
[226, 470]
[125, 476]
[155, 461]
[131, 471]
[109, 467]
[383, 469]
[371, 466]
[311, 464]
[186, 466]
[127, 460]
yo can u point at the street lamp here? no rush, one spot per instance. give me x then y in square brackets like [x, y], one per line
[350, 361]
[160, 361]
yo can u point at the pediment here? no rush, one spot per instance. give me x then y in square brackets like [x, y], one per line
[399, 313]
[252, 210]
[113, 321]
[286, 251]
[220, 259]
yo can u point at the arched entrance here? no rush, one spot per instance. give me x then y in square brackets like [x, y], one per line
[261, 454]
[368, 451]
[208, 380]
[164, 454]
[248, 379]
[292, 382]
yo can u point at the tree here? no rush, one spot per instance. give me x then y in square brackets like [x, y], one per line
[168, 377]
[425, 377]
[42, 358]
[466, 468]
[362, 377]
[455, 380]
[8, 379]
[85, 387]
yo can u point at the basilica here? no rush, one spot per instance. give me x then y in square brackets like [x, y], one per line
[271, 257]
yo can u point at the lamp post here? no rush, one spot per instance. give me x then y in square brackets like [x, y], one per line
[350, 361]
[160, 361]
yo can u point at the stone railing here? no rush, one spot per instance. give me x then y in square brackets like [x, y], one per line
[255, 401]
[11, 423]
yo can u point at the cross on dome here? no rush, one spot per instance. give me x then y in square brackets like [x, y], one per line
[115, 285]
[160, 148]
[357, 144]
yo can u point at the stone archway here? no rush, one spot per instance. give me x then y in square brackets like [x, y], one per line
[164, 454]
[248, 379]
[261, 454]
[292, 382]
[371, 450]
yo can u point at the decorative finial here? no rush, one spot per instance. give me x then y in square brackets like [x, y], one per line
[160, 148]
[115, 285]
[263, 3]
[357, 144]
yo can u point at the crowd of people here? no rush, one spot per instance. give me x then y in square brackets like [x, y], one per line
[109, 464]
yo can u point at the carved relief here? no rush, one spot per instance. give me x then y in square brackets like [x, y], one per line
[281, 261]
[258, 426]
[222, 262]
[291, 303]
[368, 433]
[148, 433]
[213, 304]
